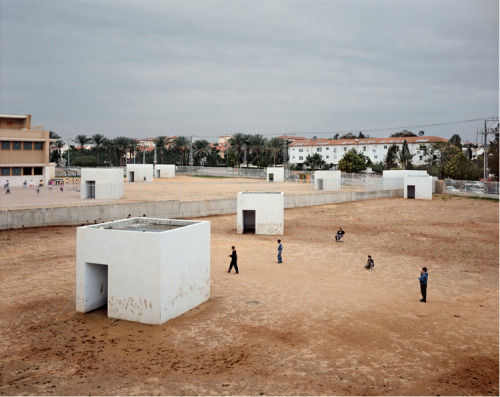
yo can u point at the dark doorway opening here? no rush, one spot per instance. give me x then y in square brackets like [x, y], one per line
[131, 176]
[271, 177]
[410, 192]
[320, 184]
[249, 221]
[90, 189]
[96, 286]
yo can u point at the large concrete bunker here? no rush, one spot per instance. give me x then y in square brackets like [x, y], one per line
[144, 269]
[140, 172]
[164, 170]
[101, 183]
[260, 212]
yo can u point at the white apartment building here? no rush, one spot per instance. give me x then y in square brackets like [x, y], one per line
[374, 148]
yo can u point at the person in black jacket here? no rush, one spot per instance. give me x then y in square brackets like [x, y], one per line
[369, 263]
[234, 260]
[339, 235]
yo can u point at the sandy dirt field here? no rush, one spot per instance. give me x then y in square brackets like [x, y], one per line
[318, 324]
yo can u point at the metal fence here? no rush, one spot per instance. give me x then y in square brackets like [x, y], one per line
[471, 188]
[74, 194]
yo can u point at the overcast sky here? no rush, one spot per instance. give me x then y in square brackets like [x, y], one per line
[209, 68]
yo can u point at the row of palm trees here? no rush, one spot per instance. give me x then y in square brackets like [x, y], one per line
[254, 147]
[181, 150]
[118, 150]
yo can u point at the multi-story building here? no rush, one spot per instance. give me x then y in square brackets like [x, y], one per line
[374, 148]
[24, 151]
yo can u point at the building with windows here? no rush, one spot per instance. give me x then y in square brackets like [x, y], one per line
[24, 151]
[332, 150]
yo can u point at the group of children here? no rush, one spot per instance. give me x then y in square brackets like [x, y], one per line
[370, 263]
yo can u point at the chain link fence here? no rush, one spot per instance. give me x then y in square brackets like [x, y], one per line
[471, 188]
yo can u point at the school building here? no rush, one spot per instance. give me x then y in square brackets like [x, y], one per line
[24, 151]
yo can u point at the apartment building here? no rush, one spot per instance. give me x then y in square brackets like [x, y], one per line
[24, 151]
[374, 148]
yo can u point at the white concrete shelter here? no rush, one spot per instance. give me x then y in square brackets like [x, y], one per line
[260, 212]
[164, 171]
[145, 269]
[140, 172]
[418, 187]
[101, 183]
[329, 181]
[394, 179]
[275, 174]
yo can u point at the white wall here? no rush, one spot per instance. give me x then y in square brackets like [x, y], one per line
[278, 174]
[269, 210]
[152, 276]
[423, 186]
[140, 171]
[394, 179]
[108, 182]
[164, 171]
[331, 180]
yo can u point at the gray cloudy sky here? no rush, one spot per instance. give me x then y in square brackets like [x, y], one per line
[209, 68]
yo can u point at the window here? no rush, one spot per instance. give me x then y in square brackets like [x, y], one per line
[301, 150]
[16, 170]
[319, 149]
[375, 157]
[293, 149]
[422, 147]
[334, 150]
[38, 171]
[385, 146]
[327, 157]
[16, 145]
[27, 171]
[345, 149]
[421, 158]
[27, 145]
[327, 148]
[5, 171]
[5, 145]
[38, 145]
[301, 157]
[364, 148]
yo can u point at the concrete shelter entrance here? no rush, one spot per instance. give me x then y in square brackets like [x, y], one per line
[249, 221]
[96, 285]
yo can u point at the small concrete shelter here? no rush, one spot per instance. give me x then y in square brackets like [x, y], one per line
[418, 187]
[164, 170]
[139, 172]
[101, 183]
[260, 212]
[275, 174]
[329, 181]
[144, 269]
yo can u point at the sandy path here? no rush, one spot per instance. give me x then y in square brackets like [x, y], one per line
[318, 324]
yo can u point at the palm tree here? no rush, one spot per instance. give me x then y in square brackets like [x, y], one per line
[160, 143]
[82, 140]
[121, 144]
[181, 146]
[257, 144]
[98, 140]
[202, 150]
[54, 135]
[237, 142]
[274, 146]
[133, 144]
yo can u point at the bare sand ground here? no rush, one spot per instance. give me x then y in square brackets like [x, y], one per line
[318, 324]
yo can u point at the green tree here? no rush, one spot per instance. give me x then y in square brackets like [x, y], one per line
[274, 147]
[352, 162]
[201, 151]
[493, 156]
[182, 145]
[456, 141]
[160, 142]
[82, 140]
[54, 135]
[237, 143]
[404, 156]
[314, 162]
[257, 144]
[402, 134]
[336, 136]
[349, 135]
[461, 168]
[391, 158]
[98, 140]
[120, 145]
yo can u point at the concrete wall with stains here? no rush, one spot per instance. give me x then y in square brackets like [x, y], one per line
[269, 211]
[150, 276]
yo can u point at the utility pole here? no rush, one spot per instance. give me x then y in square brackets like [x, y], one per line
[488, 130]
